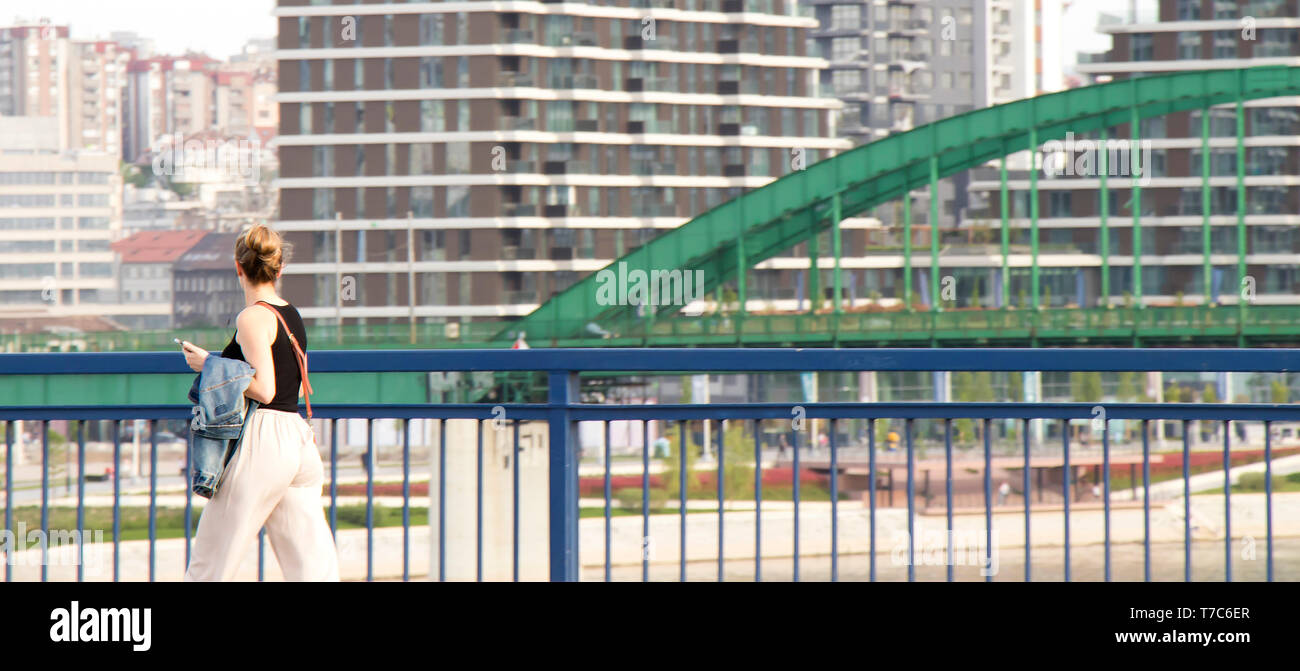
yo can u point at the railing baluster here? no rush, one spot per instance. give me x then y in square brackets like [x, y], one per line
[1066, 476]
[871, 505]
[719, 479]
[947, 471]
[478, 505]
[1187, 507]
[988, 502]
[261, 554]
[1227, 505]
[514, 502]
[1146, 500]
[45, 500]
[153, 495]
[681, 491]
[9, 492]
[911, 504]
[442, 500]
[608, 527]
[117, 498]
[81, 500]
[1268, 498]
[835, 520]
[406, 500]
[758, 500]
[1025, 490]
[370, 500]
[645, 501]
[795, 440]
[1105, 467]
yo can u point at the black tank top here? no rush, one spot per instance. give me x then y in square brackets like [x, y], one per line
[287, 377]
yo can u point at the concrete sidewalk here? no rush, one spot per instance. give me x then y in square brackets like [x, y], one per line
[630, 542]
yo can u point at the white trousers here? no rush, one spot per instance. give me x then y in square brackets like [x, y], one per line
[275, 480]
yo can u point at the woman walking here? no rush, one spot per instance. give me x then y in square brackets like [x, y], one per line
[274, 478]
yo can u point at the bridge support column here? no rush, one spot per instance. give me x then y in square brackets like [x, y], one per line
[1241, 217]
[907, 249]
[1206, 238]
[1033, 215]
[1136, 201]
[814, 276]
[934, 234]
[1103, 168]
[1006, 271]
[835, 251]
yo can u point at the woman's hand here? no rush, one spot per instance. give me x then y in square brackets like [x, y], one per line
[194, 356]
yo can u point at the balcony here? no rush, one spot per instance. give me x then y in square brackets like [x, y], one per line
[555, 211]
[518, 123]
[569, 167]
[519, 210]
[649, 168]
[726, 88]
[586, 126]
[518, 36]
[507, 78]
[581, 82]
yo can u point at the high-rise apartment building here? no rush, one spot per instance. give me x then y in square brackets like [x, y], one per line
[489, 155]
[59, 211]
[899, 65]
[1185, 35]
[43, 73]
[168, 95]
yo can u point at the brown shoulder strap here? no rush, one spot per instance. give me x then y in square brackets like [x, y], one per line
[300, 355]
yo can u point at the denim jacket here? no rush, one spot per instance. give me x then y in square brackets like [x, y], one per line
[219, 415]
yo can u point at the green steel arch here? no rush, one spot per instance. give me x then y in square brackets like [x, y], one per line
[765, 221]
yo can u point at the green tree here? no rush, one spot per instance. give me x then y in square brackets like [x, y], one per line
[1173, 393]
[738, 461]
[1208, 395]
[1279, 392]
[963, 390]
[673, 464]
[1016, 386]
[1127, 389]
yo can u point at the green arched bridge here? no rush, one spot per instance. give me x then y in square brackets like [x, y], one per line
[792, 210]
[795, 208]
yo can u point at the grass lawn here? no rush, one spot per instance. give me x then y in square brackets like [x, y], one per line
[1253, 483]
[169, 522]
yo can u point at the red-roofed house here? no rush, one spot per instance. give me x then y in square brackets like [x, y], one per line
[145, 263]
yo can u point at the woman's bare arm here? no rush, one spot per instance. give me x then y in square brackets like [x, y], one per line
[256, 328]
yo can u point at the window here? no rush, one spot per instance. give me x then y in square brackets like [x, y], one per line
[458, 201]
[431, 29]
[457, 158]
[1225, 44]
[1189, 10]
[1189, 45]
[1140, 47]
[1276, 44]
[845, 17]
[431, 72]
[844, 48]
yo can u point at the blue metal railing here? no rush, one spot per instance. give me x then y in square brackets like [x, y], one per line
[563, 410]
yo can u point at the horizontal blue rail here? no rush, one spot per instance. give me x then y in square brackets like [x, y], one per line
[698, 360]
[563, 410]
